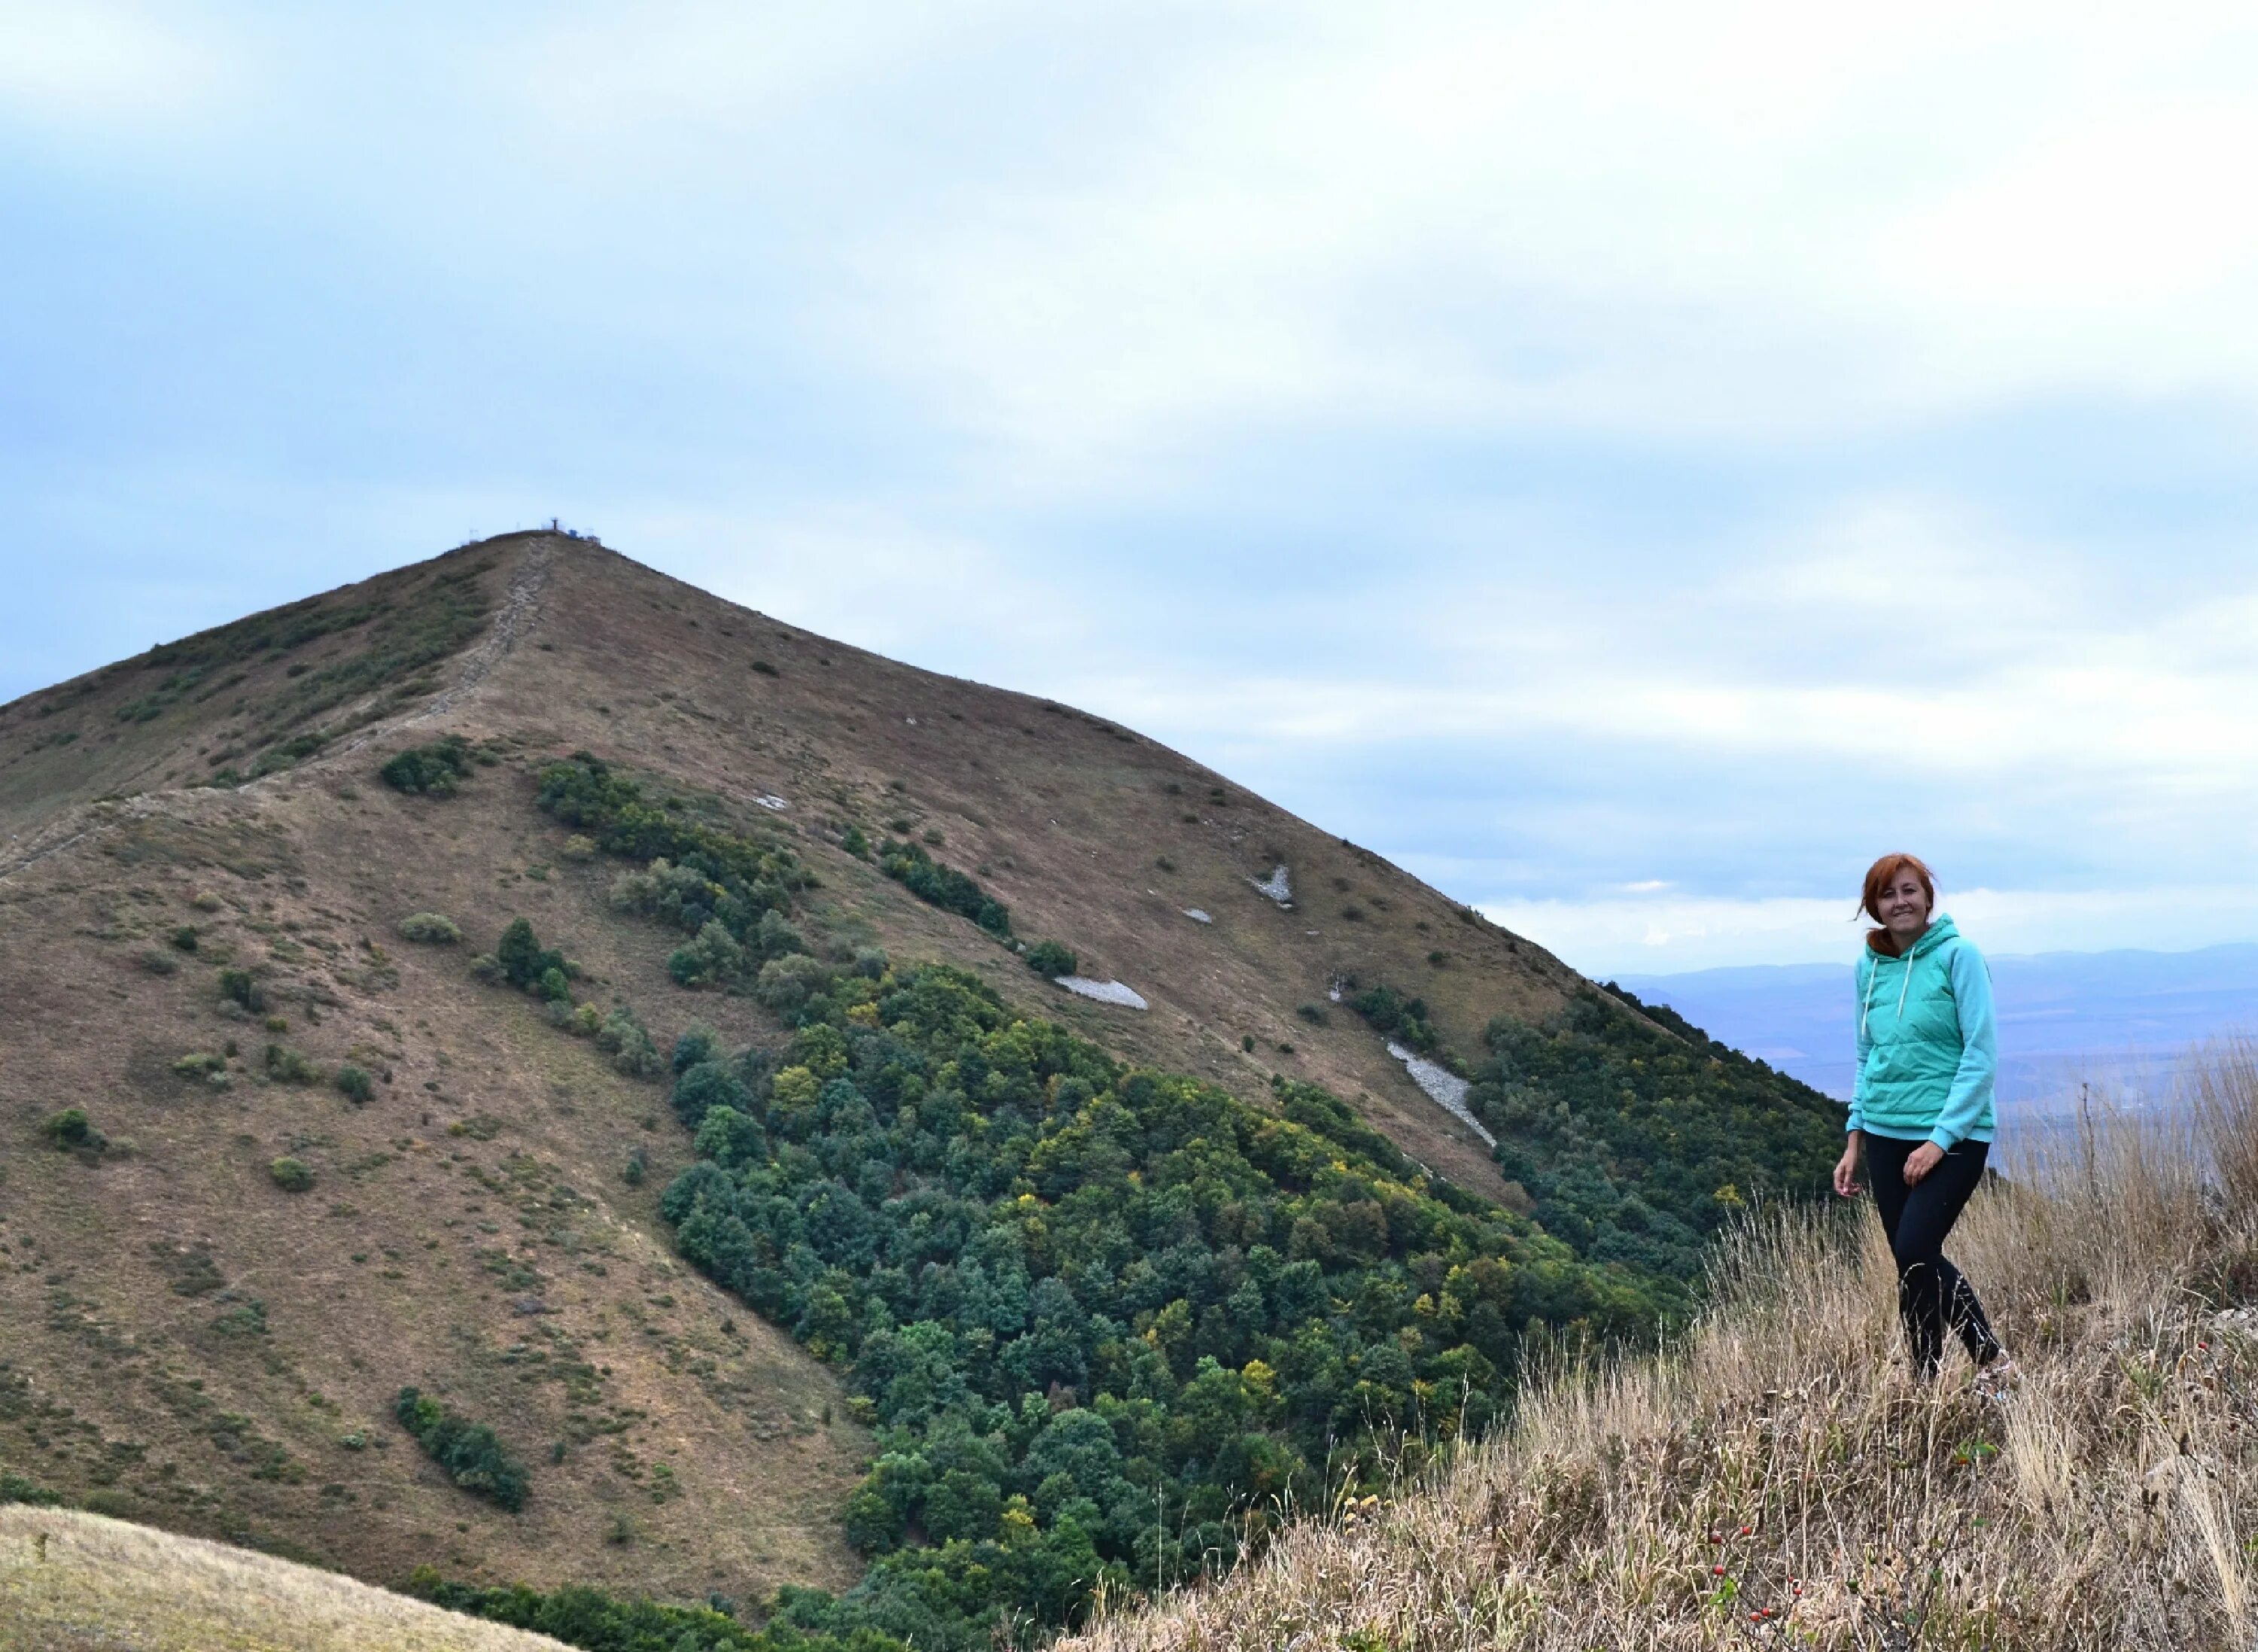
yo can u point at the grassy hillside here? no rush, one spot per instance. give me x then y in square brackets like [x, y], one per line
[191, 1339]
[1774, 1479]
[69, 1581]
[261, 694]
[277, 1149]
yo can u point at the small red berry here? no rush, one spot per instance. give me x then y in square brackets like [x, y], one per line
[1745, 1530]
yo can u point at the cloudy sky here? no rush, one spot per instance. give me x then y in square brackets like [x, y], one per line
[1630, 464]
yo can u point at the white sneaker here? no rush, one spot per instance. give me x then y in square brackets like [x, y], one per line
[1997, 1375]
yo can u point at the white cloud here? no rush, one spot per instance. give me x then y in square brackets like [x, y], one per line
[2094, 217]
[1916, 664]
[1762, 220]
[869, 578]
[688, 73]
[1753, 220]
[89, 63]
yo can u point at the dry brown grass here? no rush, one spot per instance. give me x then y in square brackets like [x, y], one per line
[1777, 1479]
[469, 1232]
[69, 1581]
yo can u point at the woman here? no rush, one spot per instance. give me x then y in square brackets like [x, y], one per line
[1922, 1104]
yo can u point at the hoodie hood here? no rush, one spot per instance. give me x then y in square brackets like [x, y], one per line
[1939, 931]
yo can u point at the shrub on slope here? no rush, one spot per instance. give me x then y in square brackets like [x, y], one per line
[437, 768]
[728, 891]
[471, 1452]
[758, 874]
[942, 885]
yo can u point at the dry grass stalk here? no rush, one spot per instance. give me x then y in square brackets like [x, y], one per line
[1776, 1478]
[71, 1580]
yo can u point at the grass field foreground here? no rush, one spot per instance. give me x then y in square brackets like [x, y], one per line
[70, 1581]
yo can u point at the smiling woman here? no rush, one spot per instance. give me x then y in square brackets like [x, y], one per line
[1922, 1108]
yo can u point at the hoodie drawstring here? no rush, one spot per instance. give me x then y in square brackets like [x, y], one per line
[1867, 1009]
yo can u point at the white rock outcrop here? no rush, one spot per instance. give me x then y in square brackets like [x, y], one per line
[1445, 1089]
[1278, 886]
[1104, 991]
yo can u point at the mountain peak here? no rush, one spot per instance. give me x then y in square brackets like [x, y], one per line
[301, 1159]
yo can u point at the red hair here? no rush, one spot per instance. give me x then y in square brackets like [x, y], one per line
[1879, 877]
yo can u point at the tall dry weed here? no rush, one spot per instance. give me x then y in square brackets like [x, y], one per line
[1777, 1478]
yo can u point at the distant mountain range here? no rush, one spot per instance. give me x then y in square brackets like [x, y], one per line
[2123, 1019]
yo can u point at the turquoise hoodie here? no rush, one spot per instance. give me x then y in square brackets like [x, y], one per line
[1928, 1049]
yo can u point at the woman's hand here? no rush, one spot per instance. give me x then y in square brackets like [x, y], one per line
[1921, 1160]
[1846, 1170]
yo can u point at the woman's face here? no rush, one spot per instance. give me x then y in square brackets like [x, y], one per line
[1905, 907]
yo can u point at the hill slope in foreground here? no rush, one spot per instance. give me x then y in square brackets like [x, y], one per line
[269, 1161]
[70, 1581]
[1775, 1478]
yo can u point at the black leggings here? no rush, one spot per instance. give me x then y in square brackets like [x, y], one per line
[1931, 1292]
